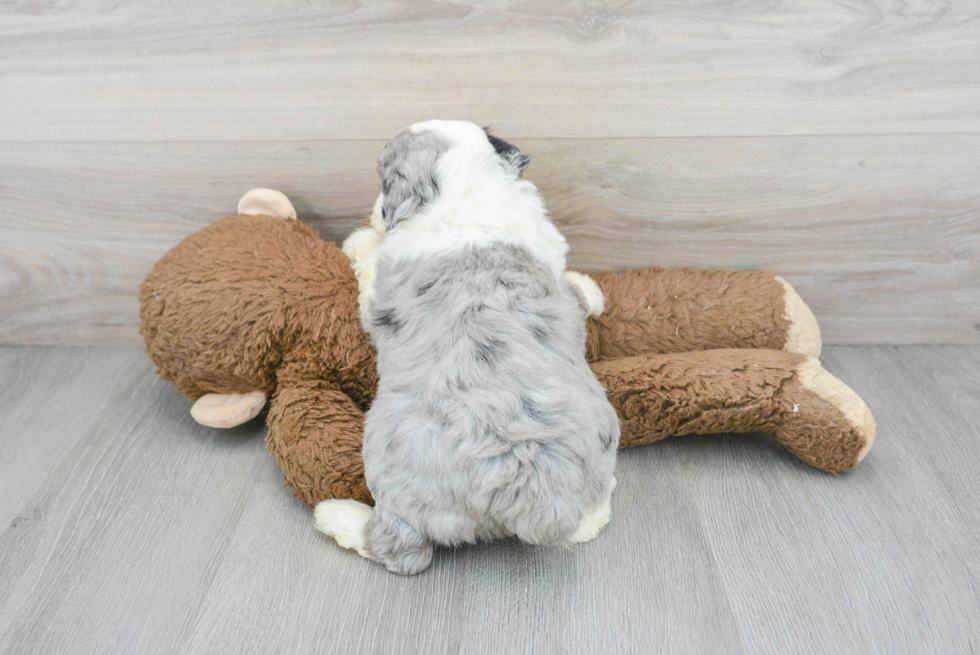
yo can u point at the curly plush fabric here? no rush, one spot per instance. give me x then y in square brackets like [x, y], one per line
[737, 390]
[228, 306]
[686, 310]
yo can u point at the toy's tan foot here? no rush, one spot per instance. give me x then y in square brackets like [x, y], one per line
[595, 302]
[804, 333]
[266, 202]
[226, 410]
[814, 378]
[344, 520]
[823, 422]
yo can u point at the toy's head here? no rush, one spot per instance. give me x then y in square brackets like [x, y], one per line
[230, 305]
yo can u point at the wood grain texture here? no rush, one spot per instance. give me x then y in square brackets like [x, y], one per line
[117, 540]
[880, 234]
[874, 544]
[48, 399]
[176, 71]
[145, 532]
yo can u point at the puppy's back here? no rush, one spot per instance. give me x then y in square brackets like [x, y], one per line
[488, 419]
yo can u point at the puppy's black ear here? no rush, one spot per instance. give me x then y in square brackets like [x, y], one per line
[406, 170]
[517, 160]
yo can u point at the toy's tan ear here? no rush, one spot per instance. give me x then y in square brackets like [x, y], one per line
[266, 202]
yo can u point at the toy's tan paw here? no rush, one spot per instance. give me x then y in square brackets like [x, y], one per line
[804, 333]
[813, 377]
[343, 520]
[595, 302]
[226, 410]
[362, 245]
[266, 202]
[362, 249]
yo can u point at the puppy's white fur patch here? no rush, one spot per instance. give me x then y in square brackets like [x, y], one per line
[480, 202]
[595, 302]
[345, 521]
[592, 523]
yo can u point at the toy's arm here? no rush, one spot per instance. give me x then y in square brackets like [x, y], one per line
[362, 248]
[658, 310]
[315, 433]
[790, 396]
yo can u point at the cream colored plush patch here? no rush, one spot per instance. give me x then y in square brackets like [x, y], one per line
[226, 410]
[815, 378]
[595, 302]
[362, 248]
[804, 333]
[345, 521]
[266, 202]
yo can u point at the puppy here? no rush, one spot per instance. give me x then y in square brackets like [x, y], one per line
[487, 421]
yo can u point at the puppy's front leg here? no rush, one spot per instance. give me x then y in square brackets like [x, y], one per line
[591, 294]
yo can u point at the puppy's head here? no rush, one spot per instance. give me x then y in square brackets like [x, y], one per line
[435, 157]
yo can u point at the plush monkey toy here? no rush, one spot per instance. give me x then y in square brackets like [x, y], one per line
[257, 309]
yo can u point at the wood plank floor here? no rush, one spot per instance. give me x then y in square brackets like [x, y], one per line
[127, 528]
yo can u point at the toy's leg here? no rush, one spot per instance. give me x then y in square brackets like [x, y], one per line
[315, 433]
[657, 310]
[226, 410]
[790, 396]
[593, 522]
[266, 202]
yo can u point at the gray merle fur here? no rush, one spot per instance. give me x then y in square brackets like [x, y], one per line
[509, 153]
[406, 169]
[488, 421]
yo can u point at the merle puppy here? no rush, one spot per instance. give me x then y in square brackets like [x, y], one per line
[487, 422]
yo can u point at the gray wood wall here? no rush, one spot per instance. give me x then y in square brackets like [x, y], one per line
[836, 144]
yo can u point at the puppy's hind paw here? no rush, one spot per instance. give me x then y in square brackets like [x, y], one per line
[344, 520]
[593, 522]
[591, 525]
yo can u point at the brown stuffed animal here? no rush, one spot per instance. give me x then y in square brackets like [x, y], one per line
[257, 306]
